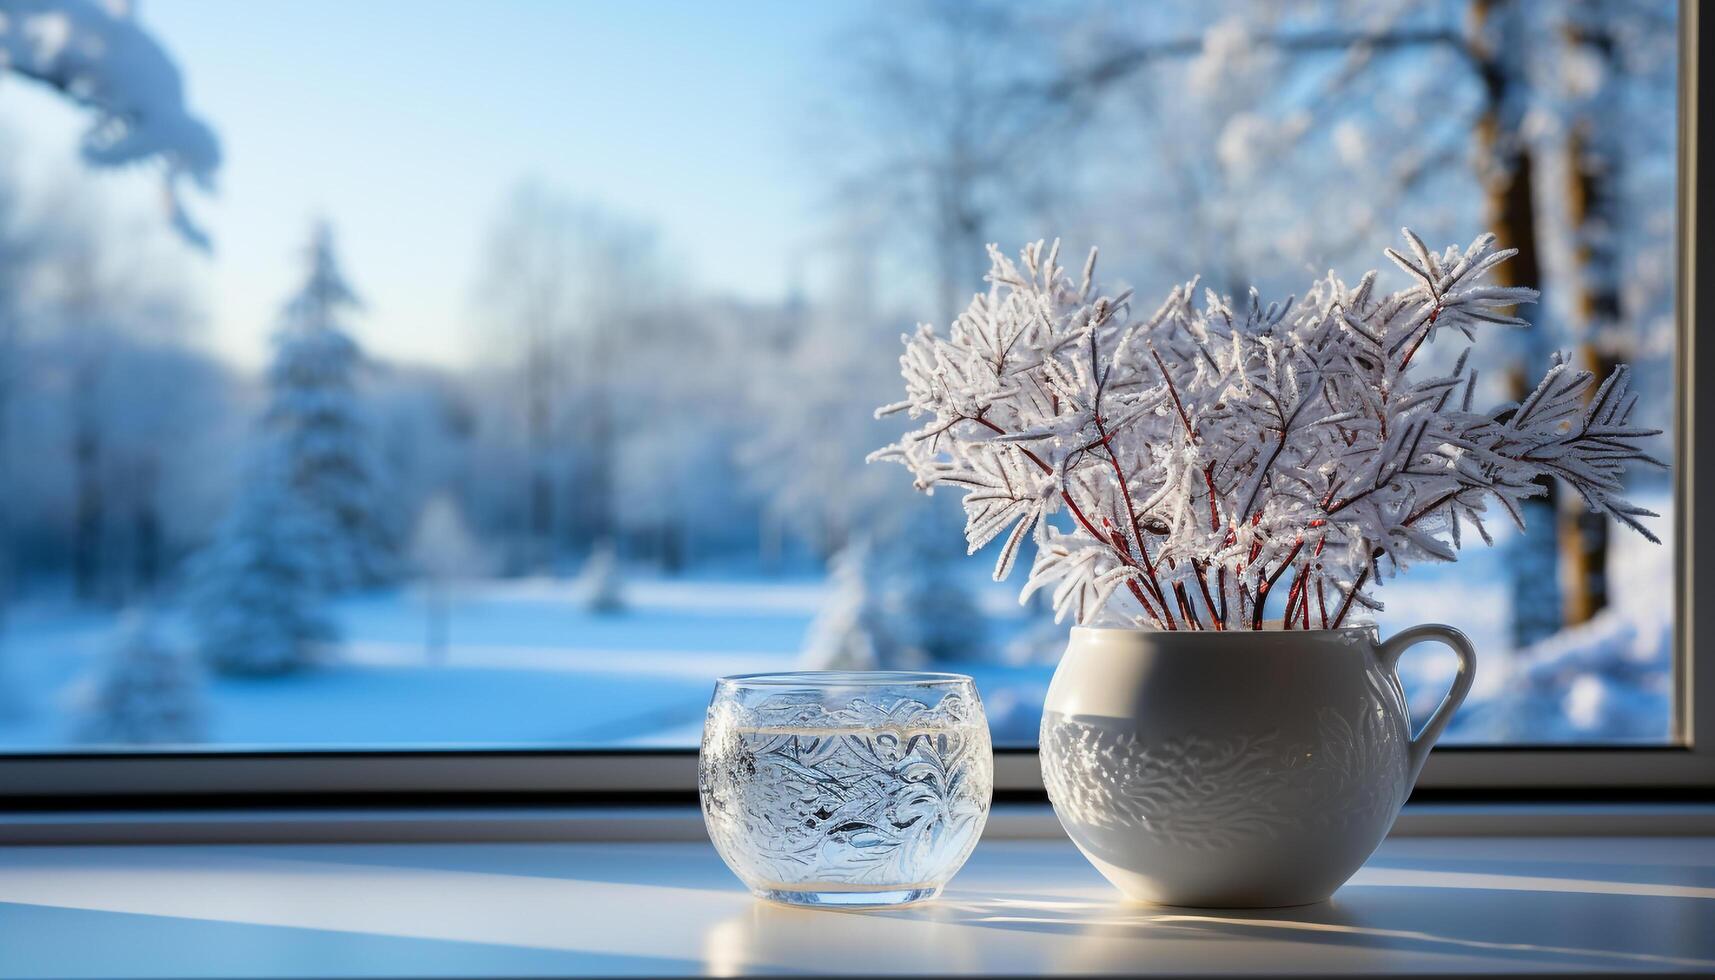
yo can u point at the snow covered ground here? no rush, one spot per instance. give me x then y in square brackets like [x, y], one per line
[525, 665]
[1606, 680]
[528, 665]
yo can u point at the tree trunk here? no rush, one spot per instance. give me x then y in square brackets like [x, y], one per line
[1593, 206]
[1584, 533]
[88, 508]
[959, 214]
[598, 495]
[959, 239]
[538, 380]
[1505, 167]
[146, 528]
[140, 501]
[10, 369]
[672, 547]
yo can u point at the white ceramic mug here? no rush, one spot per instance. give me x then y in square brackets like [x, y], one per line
[1236, 768]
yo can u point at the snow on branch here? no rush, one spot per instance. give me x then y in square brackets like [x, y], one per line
[97, 56]
[1205, 458]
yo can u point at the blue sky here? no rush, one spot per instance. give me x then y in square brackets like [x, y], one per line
[408, 123]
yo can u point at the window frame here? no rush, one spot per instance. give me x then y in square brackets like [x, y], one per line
[1684, 767]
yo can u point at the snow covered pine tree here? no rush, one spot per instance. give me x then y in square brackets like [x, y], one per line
[257, 599]
[919, 578]
[316, 413]
[1205, 453]
[148, 692]
[902, 609]
[850, 631]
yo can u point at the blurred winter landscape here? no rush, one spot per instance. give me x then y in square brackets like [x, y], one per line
[527, 663]
[506, 412]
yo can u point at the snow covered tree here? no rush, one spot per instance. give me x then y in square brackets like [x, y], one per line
[148, 692]
[851, 631]
[573, 293]
[899, 609]
[806, 451]
[526, 297]
[599, 586]
[132, 400]
[19, 244]
[935, 617]
[317, 416]
[445, 553]
[814, 383]
[1616, 69]
[809, 383]
[97, 55]
[258, 597]
[1275, 134]
[904, 136]
[1401, 94]
[919, 575]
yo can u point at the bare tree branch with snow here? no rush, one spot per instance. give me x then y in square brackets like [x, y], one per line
[97, 56]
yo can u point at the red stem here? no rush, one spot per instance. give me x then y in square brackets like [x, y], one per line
[1363, 576]
[1214, 512]
[1219, 619]
[1078, 515]
[1137, 593]
[1292, 599]
[1428, 325]
[1431, 507]
[1349, 501]
[1190, 433]
[1185, 606]
[1346, 604]
[1221, 585]
[1130, 508]
[1298, 598]
[1119, 544]
[1268, 583]
[1173, 390]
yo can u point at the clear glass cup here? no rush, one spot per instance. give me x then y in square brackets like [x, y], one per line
[845, 788]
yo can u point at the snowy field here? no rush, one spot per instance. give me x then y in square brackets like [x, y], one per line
[527, 664]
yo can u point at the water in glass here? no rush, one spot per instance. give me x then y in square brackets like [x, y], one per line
[845, 788]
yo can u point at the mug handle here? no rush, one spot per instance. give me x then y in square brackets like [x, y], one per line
[1437, 723]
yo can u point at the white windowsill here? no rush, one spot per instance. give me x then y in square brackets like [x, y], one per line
[1422, 905]
[573, 823]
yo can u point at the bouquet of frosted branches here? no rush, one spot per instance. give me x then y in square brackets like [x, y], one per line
[1213, 458]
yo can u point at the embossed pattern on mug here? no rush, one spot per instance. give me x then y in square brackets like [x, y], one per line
[1204, 793]
[864, 795]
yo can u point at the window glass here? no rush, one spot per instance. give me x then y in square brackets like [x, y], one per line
[502, 373]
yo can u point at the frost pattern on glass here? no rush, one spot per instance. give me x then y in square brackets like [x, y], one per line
[863, 795]
[1204, 793]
